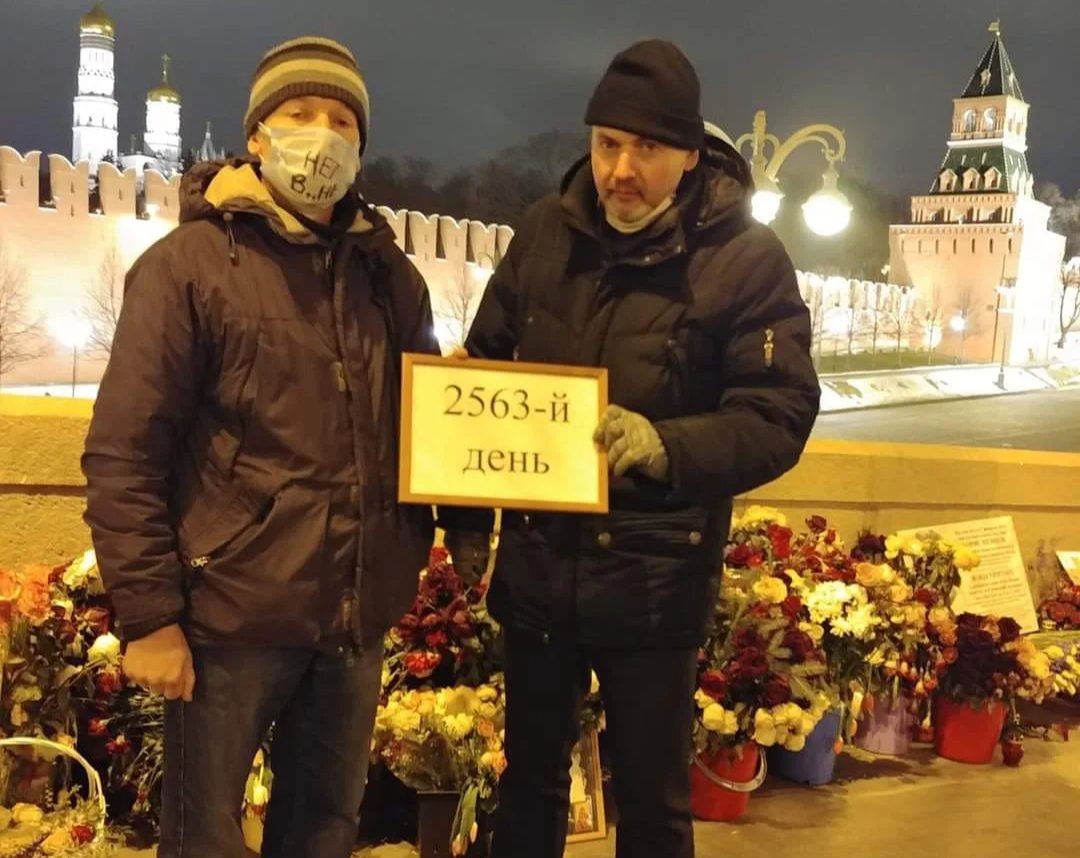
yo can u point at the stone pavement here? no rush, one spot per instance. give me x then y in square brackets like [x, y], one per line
[894, 808]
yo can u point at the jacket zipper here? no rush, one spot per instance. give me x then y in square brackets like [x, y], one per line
[769, 347]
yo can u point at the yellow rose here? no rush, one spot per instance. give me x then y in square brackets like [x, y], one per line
[105, 648]
[488, 711]
[893, 544]
[815, 631]
[915, 615]
[795, 743]
[770, 590]
[703, 700]
[712, 718]
[487, 694]
[901, 592]
[965, 558]
[58, 842]
[485, 729]
[807, 724]
[404, 721]
[27, 814]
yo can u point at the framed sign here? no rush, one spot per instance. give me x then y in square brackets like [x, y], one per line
[587, 820]
[502, 434]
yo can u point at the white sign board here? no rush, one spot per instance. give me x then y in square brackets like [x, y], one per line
[999, 584]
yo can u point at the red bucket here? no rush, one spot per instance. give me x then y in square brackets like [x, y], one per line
[720, 785]
[965, 733]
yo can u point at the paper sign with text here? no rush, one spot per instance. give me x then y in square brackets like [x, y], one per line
[502, 434]
[999, 584]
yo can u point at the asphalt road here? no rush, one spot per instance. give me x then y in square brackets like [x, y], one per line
[1023, 421]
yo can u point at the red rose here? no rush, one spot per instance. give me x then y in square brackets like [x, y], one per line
[752, 664]
[800, 644]
[97, 620]
[777, 691]
[436, 640]
[713, 683]
[780, 537]
[98, 727]
[117, 746]
[422, 664]
[110, 680]
[81, 834]
[739, 556]
[430, 620]
[791, 606]
[817, 524]
[1009, 628]
[438, 556]
[926, 597]
[950, 654]
[747, 639]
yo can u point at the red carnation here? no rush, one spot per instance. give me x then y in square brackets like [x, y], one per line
[110, 680]
[436, 640]
[780, 537]
[118, 745]
[98, 727]
[438, 556]
[747, 639]
[739, 556]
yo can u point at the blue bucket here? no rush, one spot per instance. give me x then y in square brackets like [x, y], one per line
[814, 764]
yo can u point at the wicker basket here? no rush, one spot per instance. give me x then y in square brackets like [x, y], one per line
[96, 846]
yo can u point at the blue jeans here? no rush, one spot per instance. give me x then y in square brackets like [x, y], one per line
[322, 706]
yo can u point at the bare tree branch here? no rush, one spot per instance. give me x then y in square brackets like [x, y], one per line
[104, 295]
[21, 338]
[457, 306]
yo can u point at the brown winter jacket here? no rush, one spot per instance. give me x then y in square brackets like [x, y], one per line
[241, 463]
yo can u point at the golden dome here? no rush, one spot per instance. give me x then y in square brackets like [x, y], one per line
[97, 21]
[163, 91]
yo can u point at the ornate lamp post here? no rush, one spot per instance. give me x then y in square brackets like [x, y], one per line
[827, 212]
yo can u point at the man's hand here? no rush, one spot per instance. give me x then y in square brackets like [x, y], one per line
[161, 662]
[631, 441]
[469, 553]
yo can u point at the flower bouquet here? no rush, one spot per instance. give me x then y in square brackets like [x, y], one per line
[761, 683]
[447, 740]
[986, 667]
[447, 638]
[1063, 611]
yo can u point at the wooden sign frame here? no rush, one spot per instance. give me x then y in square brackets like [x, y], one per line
[405, 493]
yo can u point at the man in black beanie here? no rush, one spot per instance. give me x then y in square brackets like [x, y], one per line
[648, 263]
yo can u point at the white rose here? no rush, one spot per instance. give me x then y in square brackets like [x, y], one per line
[105, 648]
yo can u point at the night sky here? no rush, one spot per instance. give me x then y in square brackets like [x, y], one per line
[456, 81]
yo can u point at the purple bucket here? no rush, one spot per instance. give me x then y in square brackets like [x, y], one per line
[814, 764]
[887, 729]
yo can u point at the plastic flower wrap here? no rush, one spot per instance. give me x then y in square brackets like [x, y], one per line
[1065, 670]
[761, 676]
[447, 739]
[447, 638]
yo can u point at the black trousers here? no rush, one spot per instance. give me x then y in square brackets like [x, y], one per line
[648, 701]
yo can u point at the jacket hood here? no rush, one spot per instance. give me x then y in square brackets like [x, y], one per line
[213, 188]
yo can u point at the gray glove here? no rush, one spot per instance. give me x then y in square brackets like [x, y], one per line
[469, 553]
[632, 441]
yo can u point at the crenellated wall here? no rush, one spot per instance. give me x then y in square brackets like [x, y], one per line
[60, 247]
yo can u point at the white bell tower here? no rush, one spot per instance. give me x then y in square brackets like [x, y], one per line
[95, 133]
[162, 137]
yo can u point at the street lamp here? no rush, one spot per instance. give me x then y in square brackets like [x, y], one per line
[73, 332]
[827, 212]
[958, 325]
[1003, 290]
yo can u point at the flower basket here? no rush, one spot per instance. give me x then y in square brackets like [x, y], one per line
[966, 732]
[814, 764]
[720, 785]
[886, 727]
[77, 832]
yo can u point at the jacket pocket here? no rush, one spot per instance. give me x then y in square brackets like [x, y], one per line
[238, 509]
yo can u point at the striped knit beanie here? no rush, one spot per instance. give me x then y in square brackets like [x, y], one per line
[307, 66]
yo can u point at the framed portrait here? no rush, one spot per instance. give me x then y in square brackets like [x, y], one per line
[586, 820]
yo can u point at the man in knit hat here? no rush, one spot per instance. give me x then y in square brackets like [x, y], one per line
[647, 263]
[242, 468]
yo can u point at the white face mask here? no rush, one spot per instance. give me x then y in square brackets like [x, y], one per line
[310, 168]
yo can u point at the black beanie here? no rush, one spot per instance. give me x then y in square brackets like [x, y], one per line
[652, 90]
